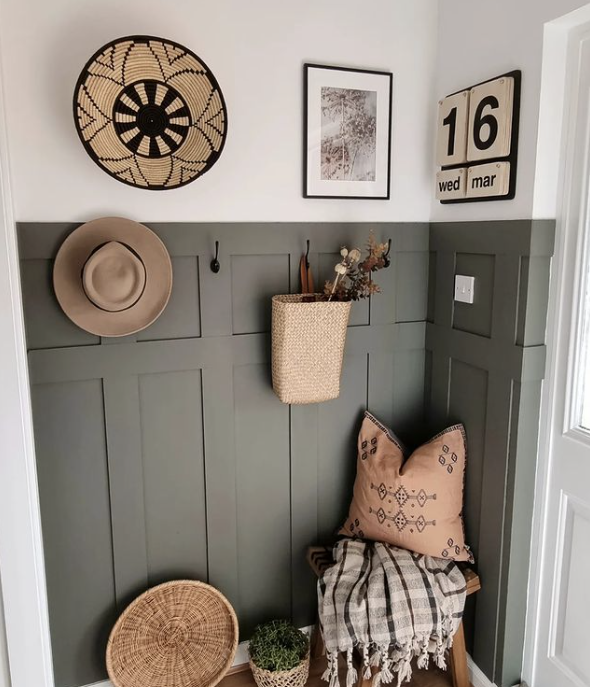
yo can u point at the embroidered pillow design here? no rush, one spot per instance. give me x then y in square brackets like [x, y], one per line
[414, 503]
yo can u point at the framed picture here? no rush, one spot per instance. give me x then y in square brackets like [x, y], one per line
[347, 132]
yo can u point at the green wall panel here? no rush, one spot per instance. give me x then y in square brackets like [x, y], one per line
[480, 358]
[263, 499]
[166, 454]
[74, 492]
[173, 475]
[191, 465]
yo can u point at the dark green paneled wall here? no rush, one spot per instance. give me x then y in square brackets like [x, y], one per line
[486, 364]
[167, 455]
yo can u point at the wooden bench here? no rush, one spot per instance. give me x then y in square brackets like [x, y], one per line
[320, 558]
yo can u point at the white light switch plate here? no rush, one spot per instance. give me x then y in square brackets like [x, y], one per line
[464, 288]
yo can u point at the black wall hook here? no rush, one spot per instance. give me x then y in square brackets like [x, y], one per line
[386, 258]
[215, 266]
[307, 255]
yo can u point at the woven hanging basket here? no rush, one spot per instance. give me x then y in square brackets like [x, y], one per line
[178, 634]
[296, 677]
[307, 348]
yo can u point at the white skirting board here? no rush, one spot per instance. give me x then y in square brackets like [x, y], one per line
[477, 677]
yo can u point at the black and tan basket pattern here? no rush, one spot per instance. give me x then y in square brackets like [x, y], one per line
[150, 113]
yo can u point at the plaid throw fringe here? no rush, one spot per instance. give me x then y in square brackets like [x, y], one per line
[391, 605]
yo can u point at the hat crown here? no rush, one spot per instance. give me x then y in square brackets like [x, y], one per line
[114, 277]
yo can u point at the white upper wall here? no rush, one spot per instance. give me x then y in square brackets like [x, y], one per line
[256, 49]
[478, 40]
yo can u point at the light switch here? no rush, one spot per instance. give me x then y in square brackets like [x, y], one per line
[464, 288]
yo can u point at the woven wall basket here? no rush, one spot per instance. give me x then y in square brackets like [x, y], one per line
[179, 634]
[307, 348]
[296, 677]
[150, 112]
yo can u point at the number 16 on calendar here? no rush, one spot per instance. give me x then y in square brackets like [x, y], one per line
[476, 143]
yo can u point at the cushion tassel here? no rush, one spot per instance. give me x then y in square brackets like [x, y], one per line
[367, 673]
[351, 674]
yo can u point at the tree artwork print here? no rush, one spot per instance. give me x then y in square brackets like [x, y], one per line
[349, 134]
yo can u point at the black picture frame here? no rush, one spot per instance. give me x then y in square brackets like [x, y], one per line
[386, 163]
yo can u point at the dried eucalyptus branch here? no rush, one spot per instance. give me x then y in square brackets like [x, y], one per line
[353, 279]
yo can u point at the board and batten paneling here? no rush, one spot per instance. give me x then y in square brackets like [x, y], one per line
[263, 506]
[173, 475]
[485, 363]
[166, 454]
[73, 478]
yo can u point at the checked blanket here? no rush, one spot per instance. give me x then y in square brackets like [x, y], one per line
[390, 604]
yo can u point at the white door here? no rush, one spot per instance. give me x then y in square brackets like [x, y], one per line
[562, 644]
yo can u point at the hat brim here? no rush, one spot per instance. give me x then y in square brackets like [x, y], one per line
[69, 289]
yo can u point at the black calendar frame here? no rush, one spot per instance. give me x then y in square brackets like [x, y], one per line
[514, 138]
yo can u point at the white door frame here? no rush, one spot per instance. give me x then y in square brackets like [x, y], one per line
[22, 568]
[553, 198]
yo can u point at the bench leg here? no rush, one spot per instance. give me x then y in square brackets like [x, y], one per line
[458, 658]
[317, 648]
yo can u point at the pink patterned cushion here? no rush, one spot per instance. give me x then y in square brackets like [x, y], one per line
[415, 503]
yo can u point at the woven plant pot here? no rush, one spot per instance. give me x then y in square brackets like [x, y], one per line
[296, 677]
[307, 348]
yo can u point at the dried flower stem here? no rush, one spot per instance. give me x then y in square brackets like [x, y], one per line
[353, 279]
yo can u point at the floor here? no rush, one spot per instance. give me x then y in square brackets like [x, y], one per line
[421, 678]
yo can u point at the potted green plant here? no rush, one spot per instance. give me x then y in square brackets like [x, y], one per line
[309, 330]
[279, 655]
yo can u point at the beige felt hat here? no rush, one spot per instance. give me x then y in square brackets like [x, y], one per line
[112, 276]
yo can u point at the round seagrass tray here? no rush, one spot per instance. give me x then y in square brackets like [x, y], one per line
[150, 112]
[178, 634]
[296, 677]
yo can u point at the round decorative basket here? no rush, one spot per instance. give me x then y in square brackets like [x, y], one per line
[296, 677]
[150, 112]
[178, 634]
[307, 348]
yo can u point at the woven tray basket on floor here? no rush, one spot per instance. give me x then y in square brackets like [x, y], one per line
[178, 634]
[296, 677]
[307, 348]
